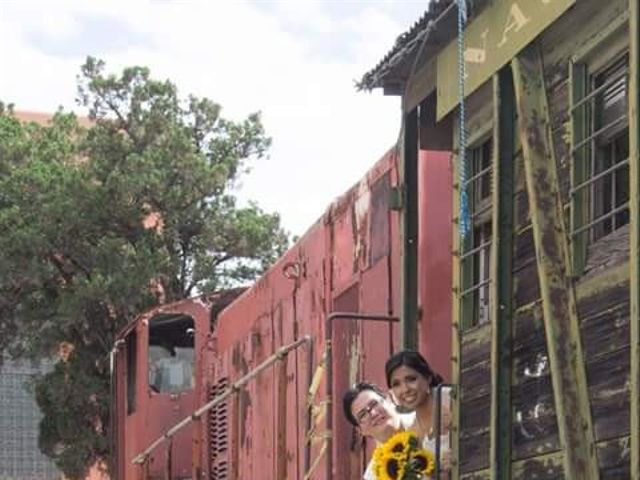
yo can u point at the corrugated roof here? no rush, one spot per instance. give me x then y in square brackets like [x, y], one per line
[437, 25]
[406, 44]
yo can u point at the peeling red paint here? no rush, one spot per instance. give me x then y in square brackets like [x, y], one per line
[348, 260]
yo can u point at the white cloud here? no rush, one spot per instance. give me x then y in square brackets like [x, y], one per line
[293, 60]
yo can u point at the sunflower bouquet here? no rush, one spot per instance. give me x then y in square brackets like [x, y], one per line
[401, 458]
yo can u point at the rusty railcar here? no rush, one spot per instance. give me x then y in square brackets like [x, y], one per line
[546, 350]
[153, 384]
[287, 422]
[284, 424]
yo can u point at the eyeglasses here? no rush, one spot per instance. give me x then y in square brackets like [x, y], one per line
[365, 415]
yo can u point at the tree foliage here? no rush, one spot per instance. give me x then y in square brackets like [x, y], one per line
[105, 218]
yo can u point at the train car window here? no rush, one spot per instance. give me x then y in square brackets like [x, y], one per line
[475, 259]
[131, 352]
[611, 151]
[600, 189]
[171, 353]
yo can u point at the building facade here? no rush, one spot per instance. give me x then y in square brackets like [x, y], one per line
[20, 457]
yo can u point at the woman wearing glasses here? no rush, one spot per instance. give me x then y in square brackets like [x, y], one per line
[367, 408]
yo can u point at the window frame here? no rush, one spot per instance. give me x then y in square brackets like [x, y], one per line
[591, 61]
[174, 349]
[475, 285]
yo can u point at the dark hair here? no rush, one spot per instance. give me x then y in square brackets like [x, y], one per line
[411, 359]
[350, 395]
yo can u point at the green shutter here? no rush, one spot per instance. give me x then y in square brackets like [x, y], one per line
[579, 165]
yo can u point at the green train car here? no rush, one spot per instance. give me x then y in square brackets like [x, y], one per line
[546, 350]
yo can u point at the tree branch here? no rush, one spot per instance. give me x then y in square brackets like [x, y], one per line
[114, 109]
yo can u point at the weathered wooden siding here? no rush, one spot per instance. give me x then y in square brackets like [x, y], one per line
[603, 289]
[475, 373]
[475, 402]
[602, 294]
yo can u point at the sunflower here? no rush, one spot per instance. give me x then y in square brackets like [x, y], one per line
[401, 458]
[389, 467]
[400, 443]
[423, 462]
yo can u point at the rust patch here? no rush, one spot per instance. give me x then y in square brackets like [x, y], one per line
[256, 340]
[535, 135]
[360, 225]
[379, 219]
[244, 400]
[238, 360]
[544, 202]
[244, 407]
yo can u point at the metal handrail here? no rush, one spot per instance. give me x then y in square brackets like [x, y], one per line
[235, 388]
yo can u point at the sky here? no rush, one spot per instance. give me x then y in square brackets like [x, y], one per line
[296, 61]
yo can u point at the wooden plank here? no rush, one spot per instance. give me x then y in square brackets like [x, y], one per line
[545, 467]
[529, 344]
[609, 389]
[607, 252]
[634, 206]
[535, 426]
[474, 421]
[476, 346]
[501, 273]
[524, 250]
[613, 455]
[474, 450]
[604, 319]
[604, 326]
[589, 286]
[476, 380]
[526, 285]
[522, 208]
[422, 84]
[558, 301]
[478, 475]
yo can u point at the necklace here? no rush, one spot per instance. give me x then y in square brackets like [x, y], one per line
[423, 431]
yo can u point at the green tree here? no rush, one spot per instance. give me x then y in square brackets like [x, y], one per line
[96, 216]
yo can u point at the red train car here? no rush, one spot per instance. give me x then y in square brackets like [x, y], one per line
[287, 421]
[153, 384]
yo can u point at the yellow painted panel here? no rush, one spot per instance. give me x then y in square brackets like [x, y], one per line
[491, 41]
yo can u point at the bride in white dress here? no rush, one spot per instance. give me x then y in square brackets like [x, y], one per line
[413, 383]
